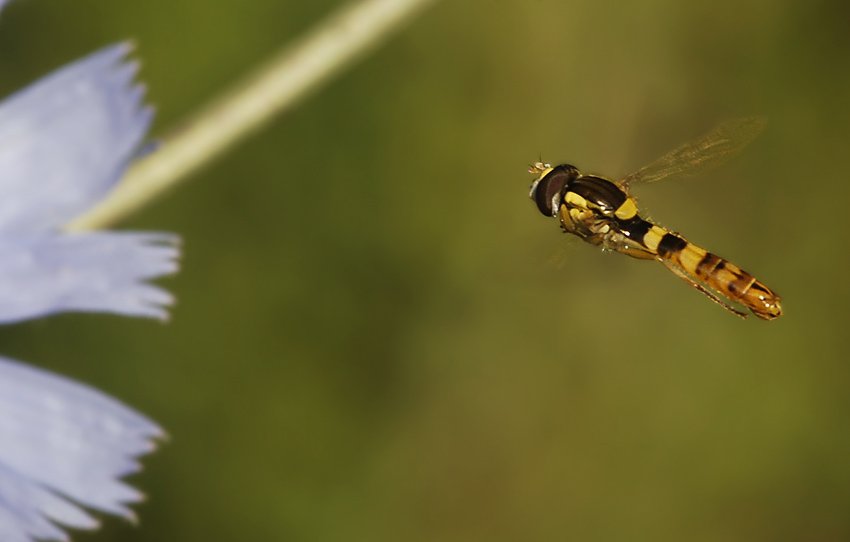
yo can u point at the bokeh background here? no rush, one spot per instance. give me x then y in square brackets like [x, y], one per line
[379, 338]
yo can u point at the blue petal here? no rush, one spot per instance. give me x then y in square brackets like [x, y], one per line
[65, 140]
[65, 446]
[47, 273]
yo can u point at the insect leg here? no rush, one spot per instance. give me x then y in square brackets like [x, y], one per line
[618, 242]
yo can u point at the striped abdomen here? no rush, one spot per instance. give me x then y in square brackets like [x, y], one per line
[719, 274]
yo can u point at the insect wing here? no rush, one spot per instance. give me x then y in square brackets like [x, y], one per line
[702, 154]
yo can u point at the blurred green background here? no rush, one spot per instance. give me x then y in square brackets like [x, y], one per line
[379, 338]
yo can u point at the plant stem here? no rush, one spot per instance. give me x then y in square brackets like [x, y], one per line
[289, 76]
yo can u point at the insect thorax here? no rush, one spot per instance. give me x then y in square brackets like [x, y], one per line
[596, 194]
[589, 208]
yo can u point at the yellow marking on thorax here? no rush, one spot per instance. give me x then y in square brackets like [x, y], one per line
[627, 210]
[653, 237]
[574, 199]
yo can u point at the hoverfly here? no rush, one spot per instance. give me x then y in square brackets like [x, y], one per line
[602, 212]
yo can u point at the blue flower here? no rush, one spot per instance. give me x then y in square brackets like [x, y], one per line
[63, 443]
[64, 142]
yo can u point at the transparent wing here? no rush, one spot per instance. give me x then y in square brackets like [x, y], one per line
[704, 153]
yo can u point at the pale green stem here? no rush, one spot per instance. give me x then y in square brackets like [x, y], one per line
[291, 74]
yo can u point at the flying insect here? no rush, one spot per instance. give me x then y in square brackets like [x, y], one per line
[603, 213]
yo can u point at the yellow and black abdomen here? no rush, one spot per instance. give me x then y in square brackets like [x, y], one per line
[720, 274]
[697, 265]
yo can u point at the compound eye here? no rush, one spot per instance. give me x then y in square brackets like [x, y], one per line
[551, 188]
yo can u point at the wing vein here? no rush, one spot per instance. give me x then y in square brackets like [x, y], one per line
[702, 154]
